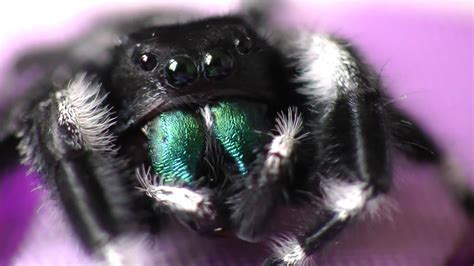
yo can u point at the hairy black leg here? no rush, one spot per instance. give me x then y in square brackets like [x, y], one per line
[264, 185]
[67, 139]
[413, 142]
[341, 203]
[348, 121]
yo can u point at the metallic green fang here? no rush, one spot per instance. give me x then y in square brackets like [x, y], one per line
[176, 142]
[234, 126]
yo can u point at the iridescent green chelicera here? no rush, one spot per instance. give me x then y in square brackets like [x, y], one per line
[235, 127]
[176, 142]
[177, 139]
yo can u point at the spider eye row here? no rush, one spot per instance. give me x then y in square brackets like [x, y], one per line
[182, 70]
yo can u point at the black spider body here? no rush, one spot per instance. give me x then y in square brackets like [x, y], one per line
[139, 88]
[259, 123]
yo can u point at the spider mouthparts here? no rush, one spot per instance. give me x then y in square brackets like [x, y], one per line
[215, 141]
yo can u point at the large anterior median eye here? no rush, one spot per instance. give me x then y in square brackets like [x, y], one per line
[181, 70]
[217, 64]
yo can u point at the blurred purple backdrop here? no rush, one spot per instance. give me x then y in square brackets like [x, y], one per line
[425, 58]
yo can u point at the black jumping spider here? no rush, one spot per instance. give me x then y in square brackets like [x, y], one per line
[213, 123]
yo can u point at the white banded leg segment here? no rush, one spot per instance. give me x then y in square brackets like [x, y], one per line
[68, 135]
[288, 251]
[326, 66]
[282, 147]
[131, 249]
[345, 198]
[261, 187]
[341, 201]
[352, 198]
[83, 115]
[347, 117]
[180, 200]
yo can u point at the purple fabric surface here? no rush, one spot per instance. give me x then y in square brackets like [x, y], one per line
[423, 55]
[16, 212]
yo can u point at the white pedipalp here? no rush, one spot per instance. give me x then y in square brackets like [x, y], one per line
[178, 199]
[288, 128]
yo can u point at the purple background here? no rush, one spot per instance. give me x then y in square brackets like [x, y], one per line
[425, 58]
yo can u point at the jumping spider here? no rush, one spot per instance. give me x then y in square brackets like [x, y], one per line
[209, 121]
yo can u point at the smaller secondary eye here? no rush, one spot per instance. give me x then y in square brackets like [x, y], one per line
[217, 64]
[147, 61]
[181, 70]
[243, 45]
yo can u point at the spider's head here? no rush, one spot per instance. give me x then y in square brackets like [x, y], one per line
[166, 67]
[183, 83]
[202, 92]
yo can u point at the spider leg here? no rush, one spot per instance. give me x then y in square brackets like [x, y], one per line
[279, 152]
[264, 184]
[413, 142]
[349, 129]
[66, 138]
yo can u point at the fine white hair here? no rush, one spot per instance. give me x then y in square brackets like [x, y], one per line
[289, 251]
[324, 65]
[126, 250]
[352, 198]
[207, 115]
[176, 198]
[288, 128]
[82, 105]
[345, 198]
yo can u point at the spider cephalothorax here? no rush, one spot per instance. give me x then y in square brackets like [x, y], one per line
[212, 123]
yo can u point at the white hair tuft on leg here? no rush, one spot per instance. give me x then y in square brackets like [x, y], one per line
[289, 251]
[178, 199]
[290, 124]
[127, 250]
[288, 127]
[81, 108]
[345, 198]
[324, 64]
[350, 198]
